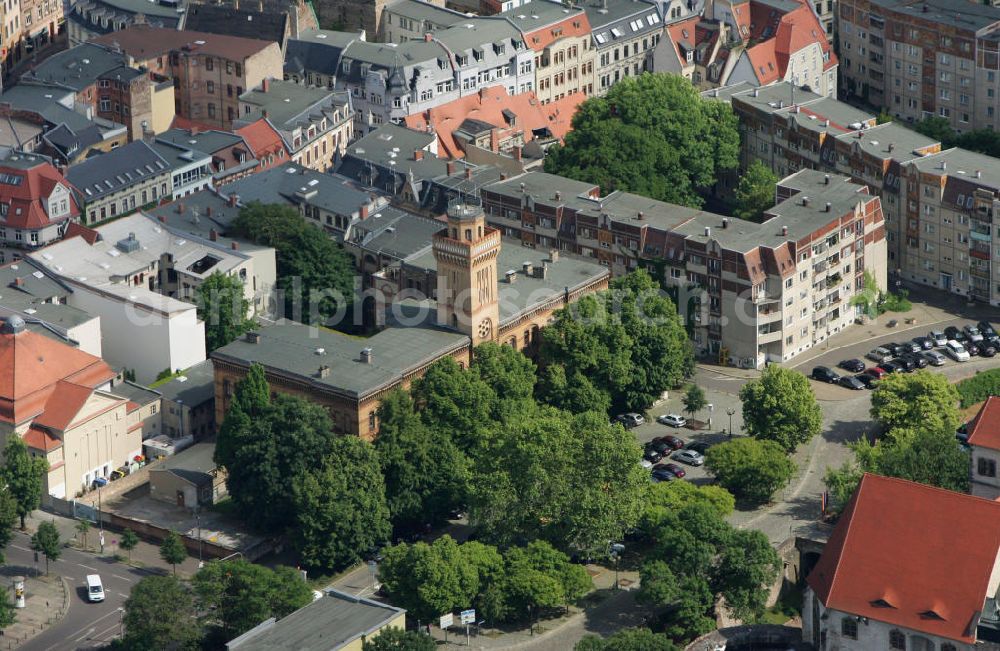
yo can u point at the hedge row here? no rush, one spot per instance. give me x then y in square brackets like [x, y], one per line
[979, 387]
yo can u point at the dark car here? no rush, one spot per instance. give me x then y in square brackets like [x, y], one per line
[852, 365]
[972, 347]
[919, 361]
[890, 367]
[659, 445]
[671, 467]
[674, 442]
[905, 364]
[987, 349]
[824, 374]
[652, 456]
[851, 382]
[701, 447]
[951, 332]
[870, 381]
[911, 347]
[934, 358]
[987, 329]
[894, 348]
[662, 474]
[925, 343]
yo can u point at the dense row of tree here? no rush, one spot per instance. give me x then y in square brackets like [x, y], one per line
[917, 414]
[984, 141]
[652, 135]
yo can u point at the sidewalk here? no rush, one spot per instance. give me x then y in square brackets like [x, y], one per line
[144, 555]
[46, 602]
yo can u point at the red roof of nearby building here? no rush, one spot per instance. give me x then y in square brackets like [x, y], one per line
[573, 25]
[40, 439]
[143, 42]
[985, 430]
[781, 36]
[64, 403]
[89, 235]
[27, 196]
[684, 33]
[32, 365]
[188, 124]
[264, 142]
[489, 105]
[911, 555]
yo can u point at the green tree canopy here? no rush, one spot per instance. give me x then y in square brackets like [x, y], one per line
[8, 519]
[24, 476]
[627, 639]
[238, 594]
[311, 266]
[755, 192]
[669, 496]
[751, 469]
[575, 393]
[46, 540]
[455, 400]
[172, 550]
[223, 308]
[160, 614]
[694, 400]
[396, 639]
[781, 407]
[128, 541]
[628, 341]
[533, 485]
[340, 509]
[652, 135]
[425, 472]
[922, 400]
[507, 371]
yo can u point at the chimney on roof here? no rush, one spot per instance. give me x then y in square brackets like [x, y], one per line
[755, 92]
[450, 167]
[232, 200]
[517, 153]
[827, 209]
[503, 176]
[528, 268]
[826, 122]
[253, 337]
[826, 179]
[558, 195]
[265, 85]
[234, 246]
[553, 255]
[213, 235]
[324, 372]
[522, 187]
[511, 277]
[18, 281]
[781, 103]
[979, 174]
[428, 37]
[162, 219]
[641, 216]
[891, 146]
[418, 154]
[944, 165]
[363, 211]
[367, 356]
[784, 231]
[543, 271]
[725, 222]
[194, 129]
[708, 231]
[180, 208]
[798, 109]
[805, 201]
[208, 211]
[468, 172]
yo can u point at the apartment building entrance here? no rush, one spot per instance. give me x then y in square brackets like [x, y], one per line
[946, 282]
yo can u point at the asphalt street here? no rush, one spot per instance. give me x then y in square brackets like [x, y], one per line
[86, 625]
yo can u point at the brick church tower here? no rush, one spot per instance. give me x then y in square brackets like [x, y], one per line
[466, 254]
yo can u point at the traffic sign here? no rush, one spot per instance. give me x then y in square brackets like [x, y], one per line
[447, 620]
[468, 616]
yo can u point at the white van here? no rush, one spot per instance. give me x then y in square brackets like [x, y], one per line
[956, 351]
[95, 590]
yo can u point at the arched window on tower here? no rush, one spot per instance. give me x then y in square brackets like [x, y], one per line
[454, 233]
[480, 231]
[468, 234]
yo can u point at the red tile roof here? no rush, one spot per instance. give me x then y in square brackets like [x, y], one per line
[264, 142]
[27, 200]
[64, 403]
[676, 33]
[143, 42]
[187, 124]
[89, 235]
[488, 105]
[41, 439]
[573, 25]
[985, 430]
[781, 36]
[911, 555]
[31, 365]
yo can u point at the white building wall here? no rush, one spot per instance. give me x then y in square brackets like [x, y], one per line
[88, 336]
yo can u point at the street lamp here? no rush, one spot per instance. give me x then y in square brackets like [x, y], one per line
[197, 518]
[121, 622]
[711, 408]
[730, 412]
[616, 551]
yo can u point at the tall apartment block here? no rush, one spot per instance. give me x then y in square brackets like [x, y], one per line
[750, 293]
[918, 58]
[938, 204]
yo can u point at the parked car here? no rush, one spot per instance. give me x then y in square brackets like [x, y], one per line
[917, 359]
[672, 467]
[954, 334]
[673, 420]
[879, 355]
[630, 420]
[956, 351]
[689, 457]
[852, 365]
[95, 589]
[905, 364]
[675, 442]
[701, 447]
[925, 343]
[987, 329]
[646, 463]
[894, 349]
[890, 367]
[851, 382]
[876, 372]
[660, 446]
[824, 374]
[653, 455]
[662, 474]
[939, 339]
[934, 358]
[911, 347]
[973, 333]
[972, 347]
[870, 381]
[987, 349]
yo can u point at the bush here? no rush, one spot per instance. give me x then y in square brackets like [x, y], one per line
[751, 469]
[979, 387]
[897, 302]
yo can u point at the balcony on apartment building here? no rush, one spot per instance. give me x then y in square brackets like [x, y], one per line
[769, 334]
[978, 248]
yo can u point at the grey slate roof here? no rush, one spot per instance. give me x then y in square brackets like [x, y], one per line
[478, 31]
[316, 51]
[421, 11]
[204, 141]
[193, 464]
[293, 349]
[974, 16]
[286, 103]
[77, 67]
[395, 233]
[35, 286]
[876, 141]
[246, 23]
[539, 13]
[45, 101]
[178, 156]
[962, 163]
[115, 170]
[617, 14]
[281, 184]
[196, 389]
[135, 392]
[324, 625]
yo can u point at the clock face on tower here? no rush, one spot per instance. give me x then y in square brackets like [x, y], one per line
[485, 329]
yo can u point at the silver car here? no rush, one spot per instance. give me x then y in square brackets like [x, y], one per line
[690, 457]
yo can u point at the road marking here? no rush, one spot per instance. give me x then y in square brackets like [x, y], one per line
[85, 628]
[113, 629]
[122, 578]
[84, 636]
[125, 596]
[23, 549]
[88, 567]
